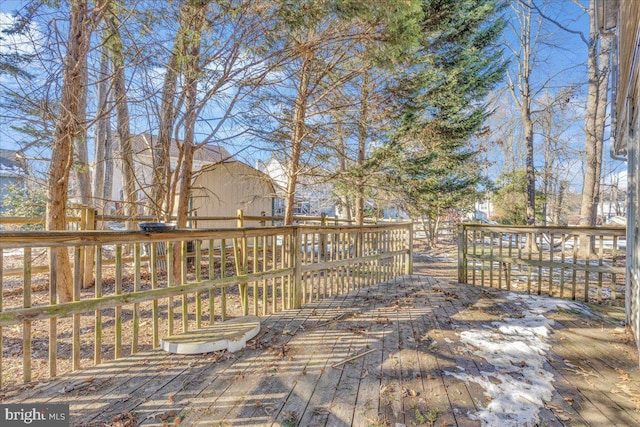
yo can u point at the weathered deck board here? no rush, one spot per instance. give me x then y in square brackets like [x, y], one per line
[599, 361]
[296, 363]
[224, 393]
[430, 341]
[317, 406]
[410, 327]
[451, 358]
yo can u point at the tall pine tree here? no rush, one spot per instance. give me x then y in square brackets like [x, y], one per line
[429, 163]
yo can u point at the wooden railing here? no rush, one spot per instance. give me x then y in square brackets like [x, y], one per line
[545, 260]
[86, 218]
[137, 298]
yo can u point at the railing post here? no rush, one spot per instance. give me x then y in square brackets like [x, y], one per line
[409, 263]
[242, 264]
[296, 253]
[88, 223]
[322, 250]
[462, 254]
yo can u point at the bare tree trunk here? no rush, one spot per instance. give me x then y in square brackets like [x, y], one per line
[297, 135]
[598, 72]
[82, 172]
[192, 68]
[522, 96]
[124, 132]
[186, 167]
[342, 164]
[67, 129]
[108, 163]
[559, 200]
[161, 150]
[362, 146]
[527, 122]
[530, 169]
[100, 148]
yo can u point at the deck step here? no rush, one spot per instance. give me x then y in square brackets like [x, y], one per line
[231, 335]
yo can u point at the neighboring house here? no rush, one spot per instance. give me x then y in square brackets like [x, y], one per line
[310, 199]
[13, 172]
[223, 188]
[484, 208]
[621, 19]
[143, 159]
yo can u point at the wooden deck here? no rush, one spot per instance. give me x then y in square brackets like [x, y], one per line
[388, 355]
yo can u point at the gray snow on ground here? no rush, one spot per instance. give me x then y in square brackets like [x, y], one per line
[517, 348]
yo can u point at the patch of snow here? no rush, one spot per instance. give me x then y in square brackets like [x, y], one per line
[13, 252]
[517, 349]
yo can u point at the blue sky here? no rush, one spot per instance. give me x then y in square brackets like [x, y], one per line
[560, 62]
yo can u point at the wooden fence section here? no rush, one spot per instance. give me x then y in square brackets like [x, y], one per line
[150, 285]
[545, 260]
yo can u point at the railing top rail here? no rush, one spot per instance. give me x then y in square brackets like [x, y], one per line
[143, 218]
[21, 239]
[364, 228]
[548, 229]
[80, 238]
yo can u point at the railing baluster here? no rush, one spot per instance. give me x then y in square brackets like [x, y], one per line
[274, 264]
[587, 262]
[306, 255]
[265, 268]
[77, 271]
[210, 277]
[53, 322]
[574, 274]
[500, 262]
[509, 265]
[614, 255]
[118, 310]
[600, 256]
[97, 294]
[563, 245]
[183, 280]
[198, 266]
[255, 270]
[170, 248]
[26, 325]
[540, 237]
[223, 274]
[529, 245]
[154, 285]
[137, 264]
[551, 262]
[283, 279]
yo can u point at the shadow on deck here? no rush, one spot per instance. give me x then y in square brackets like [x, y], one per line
[412, 351]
